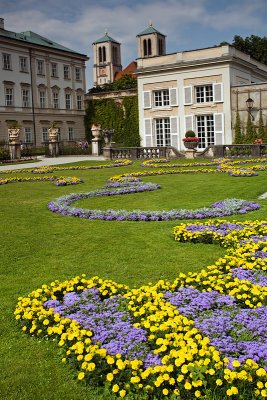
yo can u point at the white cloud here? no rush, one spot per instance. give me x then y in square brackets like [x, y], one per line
[188, 24]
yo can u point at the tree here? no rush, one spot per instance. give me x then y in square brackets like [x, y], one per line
[250, 131]
[255, 46]
[238, 132]
[261, 129]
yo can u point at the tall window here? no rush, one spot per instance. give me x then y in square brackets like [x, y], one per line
[205, 130]
[9, 97]
[147, 47]
[204, 94]
[160, 47]
[161, 98]
[28, 135]
[42, 98]
[70, 133]
[68, 101]
[115, 54]
[6, 61]
[78, 74]
[45, 134]
[163, 132]
[25, 93]
[102, 54]
[23, 64]
[79, 102]
[54, 73]
[40, 67]
[66, 70]
[55, 100]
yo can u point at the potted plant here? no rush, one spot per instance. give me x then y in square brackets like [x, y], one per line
[190, 140]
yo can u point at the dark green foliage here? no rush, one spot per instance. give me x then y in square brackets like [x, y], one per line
[123, 118]
[261, 129]
[189, 134]
[125, 82]
[239, 137]
[250, 131]
[131, 122]
[255, 46]
[4, 154]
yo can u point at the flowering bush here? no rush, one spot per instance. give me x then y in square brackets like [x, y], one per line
[61, 181]
[203, 333]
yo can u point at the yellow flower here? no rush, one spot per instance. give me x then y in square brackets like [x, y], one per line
[81, 376]
[115, 388]
[187, 386]
[110, 377]
[122, 393]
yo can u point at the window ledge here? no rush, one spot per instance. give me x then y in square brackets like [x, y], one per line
[203, 105]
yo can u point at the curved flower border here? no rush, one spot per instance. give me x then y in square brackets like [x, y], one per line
[63, 205]
[190, 365]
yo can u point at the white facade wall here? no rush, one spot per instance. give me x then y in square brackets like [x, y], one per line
[214, 69]
[36, 118]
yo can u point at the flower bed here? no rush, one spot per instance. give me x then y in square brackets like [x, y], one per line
[203, 333]
[58, 181]
[63, 205]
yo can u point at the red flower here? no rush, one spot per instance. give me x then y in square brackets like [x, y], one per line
[191, 139]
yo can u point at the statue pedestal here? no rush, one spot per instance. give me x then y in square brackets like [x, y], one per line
[95, 147]
[53, 149]
[14, 151]
[107, 153]
[190, 153]
[53, 142]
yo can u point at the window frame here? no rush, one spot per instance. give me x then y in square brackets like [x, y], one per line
[78, 75]
[6, 62]
[25, 97]
[54, 70]
[70, 134]
[9, 97]
[40, 67]
[204, 94]
[66, 71]
[23, 64]
[161, 98]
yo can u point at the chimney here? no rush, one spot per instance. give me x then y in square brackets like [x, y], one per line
[2, 23]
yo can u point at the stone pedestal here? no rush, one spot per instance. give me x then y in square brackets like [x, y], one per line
[107, 153]
[96, 132]
[53, 142]
[190, 153]
[14, 143]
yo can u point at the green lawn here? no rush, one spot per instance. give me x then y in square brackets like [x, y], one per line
[38, 246]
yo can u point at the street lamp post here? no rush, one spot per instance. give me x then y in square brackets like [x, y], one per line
[249, 103]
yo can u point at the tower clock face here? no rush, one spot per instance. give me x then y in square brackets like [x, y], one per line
[102, 71]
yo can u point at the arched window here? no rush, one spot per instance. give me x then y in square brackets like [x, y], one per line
[149, 52]
[145, 47]
[115, 55]
[160, 47]
[100, 54]
[104, 53]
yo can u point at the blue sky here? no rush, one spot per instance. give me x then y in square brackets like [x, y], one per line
[188, 24]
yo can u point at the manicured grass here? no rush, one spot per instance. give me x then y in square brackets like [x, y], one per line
[38, 246]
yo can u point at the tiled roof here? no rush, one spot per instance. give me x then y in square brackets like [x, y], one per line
[105, 38]
[150, 29]
[33, 38]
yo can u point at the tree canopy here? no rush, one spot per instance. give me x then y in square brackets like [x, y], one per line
[255, 46]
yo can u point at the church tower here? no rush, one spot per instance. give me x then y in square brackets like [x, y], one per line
[107, 60]
[150, 43]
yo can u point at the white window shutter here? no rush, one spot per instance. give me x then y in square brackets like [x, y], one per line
[148, 132]
[188, 95]
[188, 123]
[173, 96]
[218, 127]
[218, 92]
[147, 99]
[174, 131]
